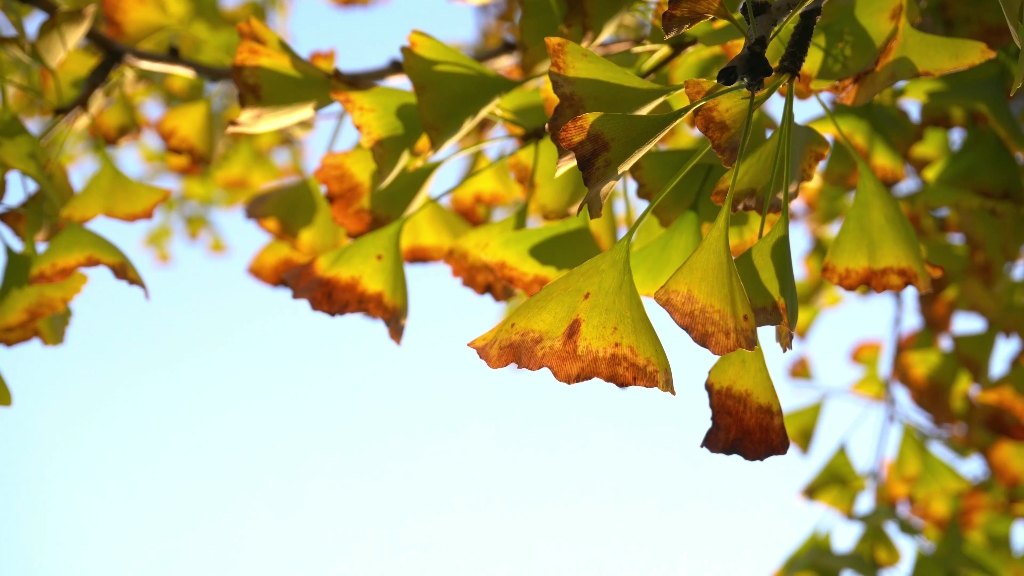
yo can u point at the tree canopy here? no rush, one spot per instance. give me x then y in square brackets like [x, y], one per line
[614, 150]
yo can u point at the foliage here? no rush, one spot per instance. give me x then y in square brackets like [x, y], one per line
[562, 101]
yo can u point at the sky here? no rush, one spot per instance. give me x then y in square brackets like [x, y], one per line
[221, 427]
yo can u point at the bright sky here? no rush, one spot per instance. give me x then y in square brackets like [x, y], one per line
[223, 428]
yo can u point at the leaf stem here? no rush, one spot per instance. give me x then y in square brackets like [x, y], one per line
[664, 191]
[835, 123]
[742, 153]
[792, 14]
[782, 153]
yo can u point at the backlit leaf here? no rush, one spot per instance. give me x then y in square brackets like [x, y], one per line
[721, 120]
[430, 233]
[274, 260]
[299, 214]
[187, 130]
[349, 178]
[881, 135]
[766, 270]
[110, 193]
[388, 122]
[837, 485]
[587, 324]
[23, 304]
[467, 263]
[656, 169]
[654, 263]
[62, 32]
[490, 184]
[801, 424]
[554, 196]
[76, 247]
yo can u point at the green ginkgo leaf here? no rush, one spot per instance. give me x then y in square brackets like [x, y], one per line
[1000, 180]
[766, 270]
[110, 193]
[5, 393]
[538, 20]
[876, 246]
[590, 323]
[746, 417]
[875, 22]
[655, 170]
[837, 485]
[441, 76]
[430, 233]
[298, 213]
[21, 151]
[554, 196]
[801, 425]
[655, 262]
[76, 247]
[366, 276]
[388, 122]
[910, 54]
[876, 546]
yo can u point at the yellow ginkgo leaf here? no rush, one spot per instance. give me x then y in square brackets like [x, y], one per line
[110, 193]
[365, 276]
[467, 263]
[388, 123]
[587, 324]
[23, 304]
[430, 233]
[187, 130]
[655, 262]
[349, 178]
[76, 247]
[490, 184]
[276, 259]
[746, 417]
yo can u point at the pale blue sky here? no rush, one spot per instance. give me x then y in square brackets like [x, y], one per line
[223, 428]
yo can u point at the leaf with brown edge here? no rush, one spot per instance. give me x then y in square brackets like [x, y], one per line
[50, 330]
[721, 120]
[243, 169]
[366, 276]
[441, 76]
[585, 82]
[531, 258]
[388, 123]
[22, 305]
[132, 21]
[809, 149]
[766, 270]
[705, 296]
[746, 417]
[1006, 460]
[187, 131]
[881, 135]
[298, 213]
[349, 178]
[655, 170]
[554, 196]
[911, 54]
[587, 324]
[274, 260]
[655, 262]
[607, 144]
[837, 485]
[268, 73]
[76, 247]
[681, 15]
[467, 263]
[5, 393]
[490, 184]
[801, 424]
[876, 245]
[430, 233]
[110, 193]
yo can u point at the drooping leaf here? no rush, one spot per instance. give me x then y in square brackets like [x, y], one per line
[298, 213]
[655, 262]
[721, 120]
[681, 15]
[809, 149]
[187, 130]
[388, 122]
[876, 246]
[430, 233]
[76, 247]
[837, 485]
[23, 304]
[705, 296]
[910, 54]
[655, 170]
[881, 135]
[746, 417]
[442, 76]
[490, 184]
[467, 263]
[766, 270]
[365, 276]
[587, 324]
[554, 196]
[801, 425]
[274, 260]
[110, 193]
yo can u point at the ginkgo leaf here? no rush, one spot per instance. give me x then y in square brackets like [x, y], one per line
[365, 276]
[705, 296]
[876, 545]
[297, 213]
[721, 120]
[837, 485]
[531, 258]
[442, 75]
[467, 263]
[50, 330]
[681, 15]
[268, 73]
[587, 324]
[801, 424]
[523, 110]
[23, 304]
[388, 122]
[881, 135]
[912, 53]
[243, 169]
[656, 169]
[187, 130]
[489, 184]
[875, 22]
[769, 281]
[62, 32]
[110, 193]
[876, 246]
[655, 262]
[585, 82]
[607, 144]
[118, 121]
[430, 233]
[349, 178]
[746, 417]
[132, 21]
[809, 149]
[5, 393]
[76, 247]
[274, 260]
[983, 147]
[539, 19]
[554, 196]
[21, 151]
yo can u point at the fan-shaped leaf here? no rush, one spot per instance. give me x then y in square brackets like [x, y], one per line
[655, 262]
[274, 260]
[76, 247]
[388, 123]
[837, 485]
[110, 193]
[467, 262]
[187, 130]
[801, 424]
[430, 233]
[23, 304]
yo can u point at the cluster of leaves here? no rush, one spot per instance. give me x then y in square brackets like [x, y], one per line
[566, 100]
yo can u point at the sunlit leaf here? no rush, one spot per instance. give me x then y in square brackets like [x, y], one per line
[441, 76]
[274, 260]
[746, 418]
[587, 324]
[118, 121]
[187, 130]
[467, 263]
[721, 120]
[365, 276]
[76, 247]
[654, 263]
[554, 196]
[681, 15]
[766, 270]
[881, 135]
[655, 170]
[299, 214]
[62, 32]
[349, 178]
[837, 485]
[388, 122]
[430, 233]
[876, 545]
[801, 425]
[110, 193]
[23, 304]
[489, 185]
